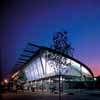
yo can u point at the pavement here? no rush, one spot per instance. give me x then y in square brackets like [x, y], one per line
[83, 95]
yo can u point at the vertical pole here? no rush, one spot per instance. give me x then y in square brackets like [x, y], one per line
[62, 85]
[80, 78]
[59, 88]
[42, 85]
[49, 85]
[59, 83]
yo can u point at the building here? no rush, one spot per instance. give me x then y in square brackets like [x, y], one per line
[48, 70]
[97, 82]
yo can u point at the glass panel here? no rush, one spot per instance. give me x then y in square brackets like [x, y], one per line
[27, 72]
[67, 67]
[51, 67]
[75, 65]
[39, 67]
[32, 72]
[35, 70]
[43, 62]
[85, 72]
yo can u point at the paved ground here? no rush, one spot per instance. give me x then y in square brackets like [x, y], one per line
[93, 95]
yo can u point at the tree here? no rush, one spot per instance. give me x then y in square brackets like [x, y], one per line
[61, 44]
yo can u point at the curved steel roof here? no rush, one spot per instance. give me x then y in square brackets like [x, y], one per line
[49, 49]
[41, 48]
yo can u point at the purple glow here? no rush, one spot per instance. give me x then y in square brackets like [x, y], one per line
[36, 20]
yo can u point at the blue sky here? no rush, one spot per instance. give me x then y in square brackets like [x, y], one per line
[24, 21]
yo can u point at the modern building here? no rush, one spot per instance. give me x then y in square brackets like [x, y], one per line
[48, 70]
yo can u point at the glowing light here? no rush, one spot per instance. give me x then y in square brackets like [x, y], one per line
[15, 74]
[5, 81]
[95, 79]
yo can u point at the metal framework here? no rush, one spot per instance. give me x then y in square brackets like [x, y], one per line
[38, 50]
[42, 63]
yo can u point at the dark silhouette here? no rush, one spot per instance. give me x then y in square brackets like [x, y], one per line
[61, 43]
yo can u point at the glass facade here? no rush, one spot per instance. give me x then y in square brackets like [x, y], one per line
[43, 66]
[43, 71]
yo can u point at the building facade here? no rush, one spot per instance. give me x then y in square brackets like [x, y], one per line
[51, 71]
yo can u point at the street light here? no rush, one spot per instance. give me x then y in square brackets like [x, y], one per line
[5, 81]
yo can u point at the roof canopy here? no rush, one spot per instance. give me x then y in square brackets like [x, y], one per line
[29, 61]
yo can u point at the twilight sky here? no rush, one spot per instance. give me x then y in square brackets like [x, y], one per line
[35, 21]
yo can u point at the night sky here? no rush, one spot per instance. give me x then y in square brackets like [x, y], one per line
[23, 21]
